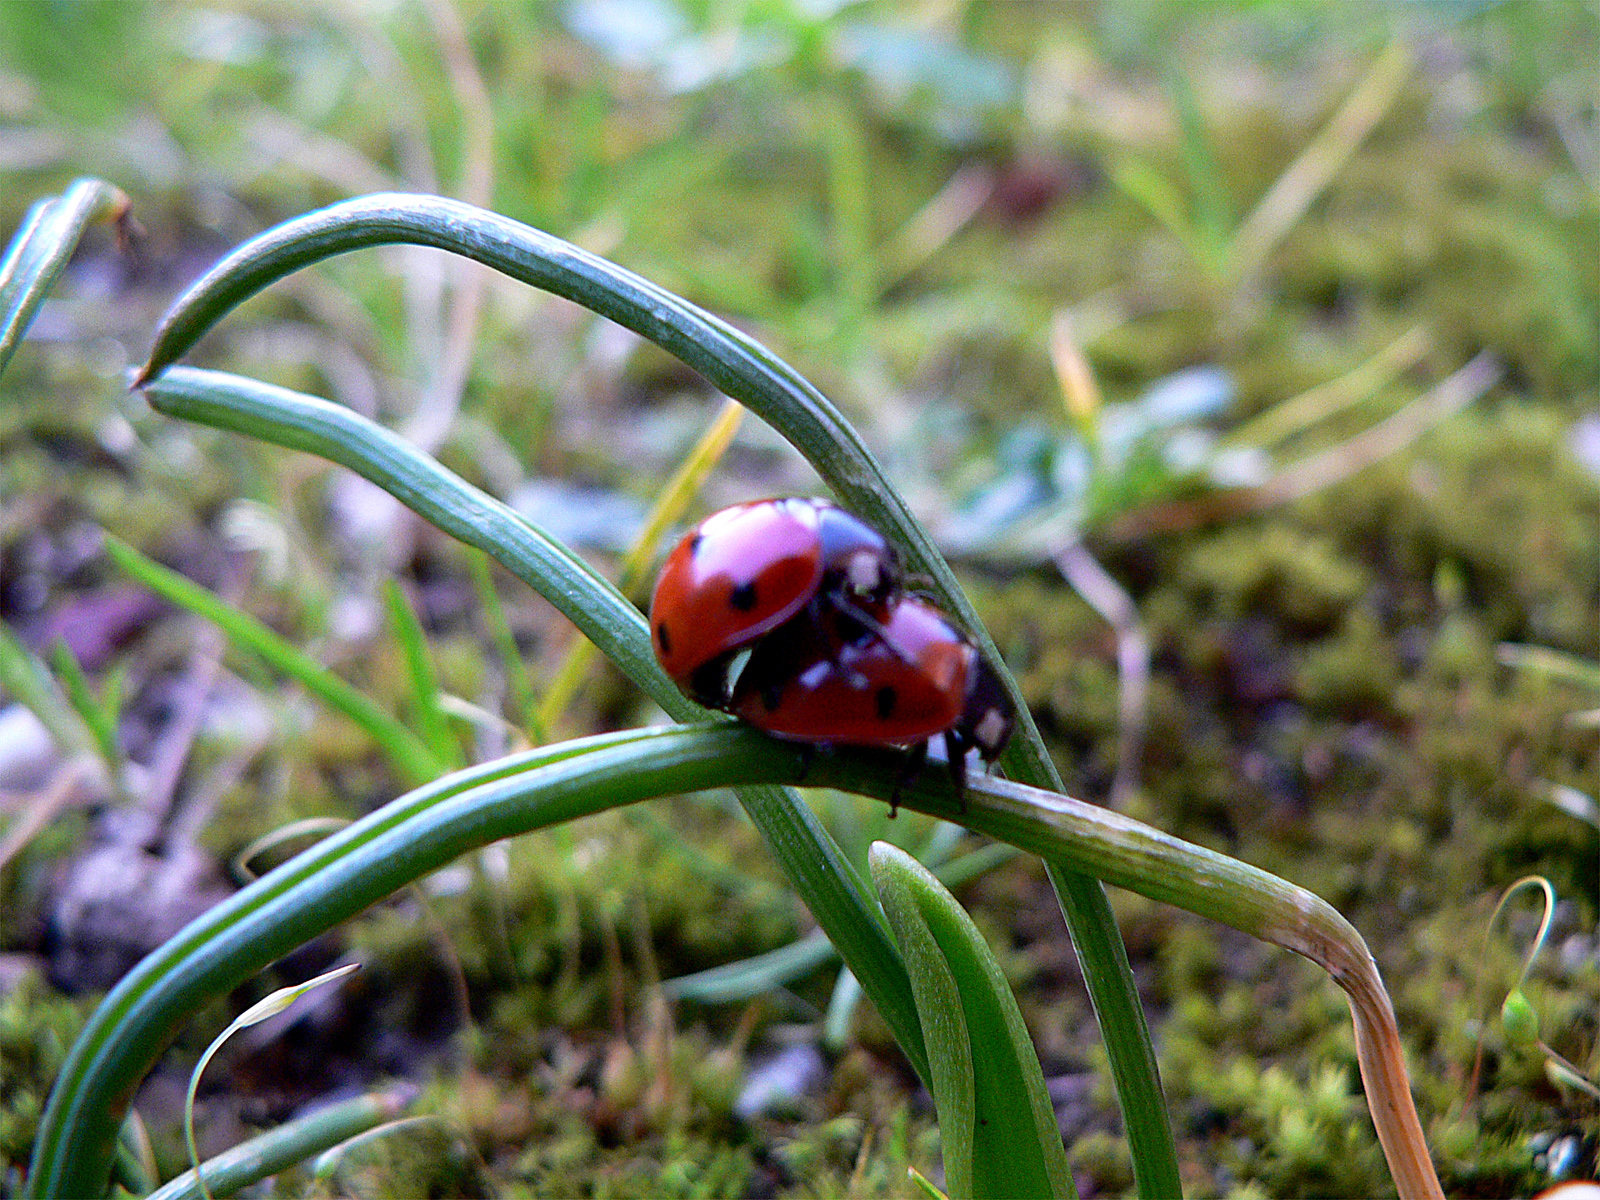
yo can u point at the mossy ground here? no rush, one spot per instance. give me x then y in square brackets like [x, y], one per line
[1326, 700]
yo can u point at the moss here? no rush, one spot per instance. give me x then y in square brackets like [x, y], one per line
[36, 1027]
[1353, 672]
[1276, 571]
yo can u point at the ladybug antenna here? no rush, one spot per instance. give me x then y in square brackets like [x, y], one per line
[868, 622]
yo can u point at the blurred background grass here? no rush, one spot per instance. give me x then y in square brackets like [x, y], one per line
[904, 201]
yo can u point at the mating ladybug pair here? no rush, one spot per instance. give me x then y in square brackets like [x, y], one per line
[790, 614]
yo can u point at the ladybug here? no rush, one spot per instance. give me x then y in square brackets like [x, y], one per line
[826, 679]
[746, 570]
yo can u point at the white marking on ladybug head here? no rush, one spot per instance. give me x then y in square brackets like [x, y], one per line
[863, 573]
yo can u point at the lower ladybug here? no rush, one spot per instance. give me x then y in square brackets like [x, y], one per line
[744, 571]
[911, 677]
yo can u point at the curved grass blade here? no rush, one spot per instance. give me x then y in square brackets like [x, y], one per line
[749, 372]
[424, 829]
[1082, 838]
[409, 753]
[39, 252]
[1002, 1140]
[338, 878]
[814, 864]
[751, 976]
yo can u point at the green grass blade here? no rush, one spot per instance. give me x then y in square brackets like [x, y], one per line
[39, 252]
[424, 680]
[751, 976]
[944, 1024]
[1000, 1137]
[1554, 664]
[814, 864]
[523, 704]
[842, 1004]
[855, 260]
[743, 369]
[1129, 1050]
[23, 248]
[409, 754]
[281, 1148]
[96, 717]
[1146, 186]
[1213, 215]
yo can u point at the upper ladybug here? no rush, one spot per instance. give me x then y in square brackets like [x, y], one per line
[747, 569]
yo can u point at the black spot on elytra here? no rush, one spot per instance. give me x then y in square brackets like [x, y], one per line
[694, 544]
[743, 597]
[661, 637]
[886, 700]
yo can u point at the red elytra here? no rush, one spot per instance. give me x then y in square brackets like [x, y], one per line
[744, 571]
[915, 677]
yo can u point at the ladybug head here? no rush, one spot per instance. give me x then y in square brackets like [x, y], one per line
[988, 717]
[856, 558]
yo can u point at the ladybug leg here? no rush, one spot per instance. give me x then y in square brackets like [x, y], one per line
[955, 749]
[909, 770]
[808, 755]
